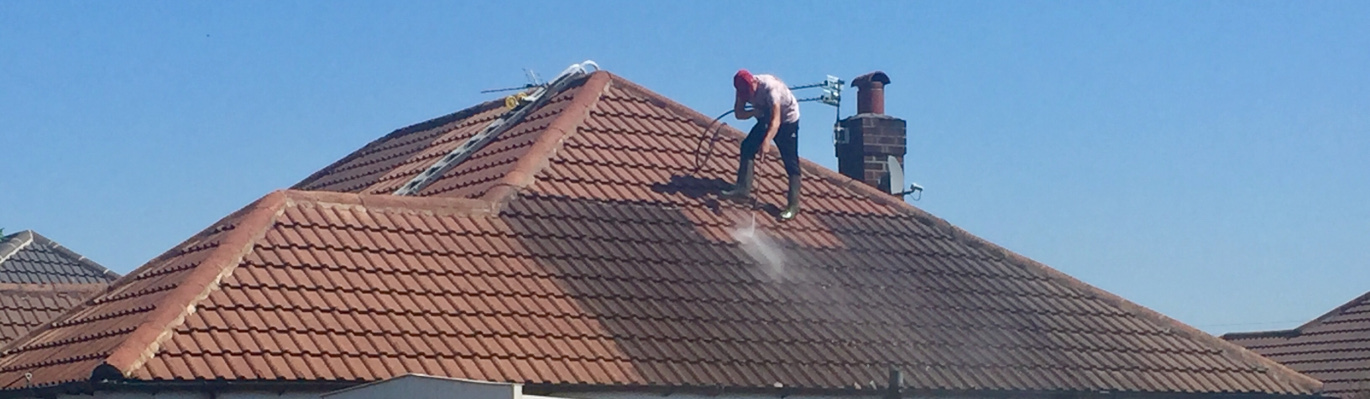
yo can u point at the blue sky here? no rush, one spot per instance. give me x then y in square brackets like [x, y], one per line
[1209, 160]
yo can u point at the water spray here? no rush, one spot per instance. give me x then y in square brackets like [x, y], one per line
[759, 246]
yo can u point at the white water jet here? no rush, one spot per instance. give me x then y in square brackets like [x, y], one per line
[759, 246]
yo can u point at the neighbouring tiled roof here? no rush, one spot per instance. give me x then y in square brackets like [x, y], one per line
[579, 249]
[25, 306]
[39, 280]
[1334, 348]
[29, 258]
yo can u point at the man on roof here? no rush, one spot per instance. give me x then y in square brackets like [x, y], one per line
[777, 119]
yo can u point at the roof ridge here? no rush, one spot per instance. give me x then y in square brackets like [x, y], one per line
[1234, 351]
[524, 171]
[144, 341]
[80, 259]
[1289, 333]
[404, 131]
[10, 246]
[393, 203]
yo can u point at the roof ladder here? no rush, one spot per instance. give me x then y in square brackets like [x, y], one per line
[521, 104]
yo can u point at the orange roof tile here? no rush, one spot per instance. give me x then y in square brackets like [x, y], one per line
[579, 249]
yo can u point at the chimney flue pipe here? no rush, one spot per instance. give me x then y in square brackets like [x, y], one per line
[870, 92]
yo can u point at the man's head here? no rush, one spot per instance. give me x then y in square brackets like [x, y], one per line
[745, 84]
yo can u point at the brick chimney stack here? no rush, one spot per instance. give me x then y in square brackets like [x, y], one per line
[871, 137]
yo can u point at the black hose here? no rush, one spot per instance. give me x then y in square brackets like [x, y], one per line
[702, 158]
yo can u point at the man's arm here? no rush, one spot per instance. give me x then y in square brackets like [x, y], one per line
[740, 110]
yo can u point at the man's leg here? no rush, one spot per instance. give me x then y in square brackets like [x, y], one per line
[750, 145]
[787, 141]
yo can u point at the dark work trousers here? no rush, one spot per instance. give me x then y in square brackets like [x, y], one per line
[786, 140]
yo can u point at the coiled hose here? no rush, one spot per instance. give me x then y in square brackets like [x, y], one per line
[702, 158]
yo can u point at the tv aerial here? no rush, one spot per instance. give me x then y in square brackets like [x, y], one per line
[533, 81]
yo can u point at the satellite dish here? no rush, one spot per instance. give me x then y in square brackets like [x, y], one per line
[896, 180]
[896, 175]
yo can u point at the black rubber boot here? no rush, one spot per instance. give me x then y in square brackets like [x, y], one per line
[792, 197]
[743, 188]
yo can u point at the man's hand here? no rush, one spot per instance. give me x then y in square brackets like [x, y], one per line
[740, 110]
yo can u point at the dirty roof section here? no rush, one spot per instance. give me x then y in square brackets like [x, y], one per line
[1333, 348]
[582, 248]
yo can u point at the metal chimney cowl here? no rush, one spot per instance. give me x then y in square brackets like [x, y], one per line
[871, 136]
[870, 94]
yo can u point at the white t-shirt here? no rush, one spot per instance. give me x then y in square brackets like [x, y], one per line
[770, 90]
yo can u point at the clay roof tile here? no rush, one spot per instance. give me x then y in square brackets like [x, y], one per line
[579, 248]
